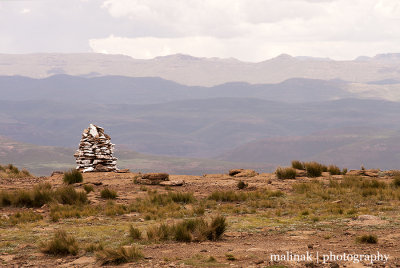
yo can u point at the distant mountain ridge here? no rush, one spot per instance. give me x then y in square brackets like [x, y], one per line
[148, 90]
[347, 147]
[188, 70]
[189, 128]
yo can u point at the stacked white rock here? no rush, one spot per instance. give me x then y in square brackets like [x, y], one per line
[95, 153]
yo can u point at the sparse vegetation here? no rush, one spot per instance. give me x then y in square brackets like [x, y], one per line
[189, 230]
[217, 228]
[232, 196]
[296, 164]
[334, 170]
[135, 233]
[314, 169]
[93, 247]
[367, 239]
[241, 185]
[118, 256]
[230, 257]
[285, 173]
[24, 217]
[177, 197]
[61, 244]
[88, 188]
[173, 216]
[11, 171]
[107, 193]
[67, 195]
[41, 194]
[72, 176]
[396, 180]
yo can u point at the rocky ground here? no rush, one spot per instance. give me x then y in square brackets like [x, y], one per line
[313, 216]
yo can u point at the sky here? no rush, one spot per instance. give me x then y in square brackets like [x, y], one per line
[248, 30]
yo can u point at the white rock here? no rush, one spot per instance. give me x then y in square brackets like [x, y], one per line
[89, 169]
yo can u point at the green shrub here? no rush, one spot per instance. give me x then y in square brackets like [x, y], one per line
[120, 255]
[42, 194]
[189, 230]
[241, 185]
[344, 171]
[367, 239]
[67, 195]
[396, 181]
[296, 164]
[5, 199]
[72, 176]
[182, 234]
[285, 173]
[107, 193]
[228, 196]
[135, 233]
[230, 257]
[13, 169]
[177, 197]
[23, 198]
[314, 169]
[334, 170]
[217, 228]
[61, 244]
[88, 188]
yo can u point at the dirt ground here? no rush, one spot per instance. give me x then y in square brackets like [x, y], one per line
[252, 238]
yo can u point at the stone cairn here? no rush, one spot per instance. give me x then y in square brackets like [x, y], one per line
[95, 153]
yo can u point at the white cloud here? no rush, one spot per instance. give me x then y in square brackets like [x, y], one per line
[251, 30]
[258, 29]
[25, 11]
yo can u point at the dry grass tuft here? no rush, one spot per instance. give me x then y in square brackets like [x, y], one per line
[285, 173]
[119, 256]
[61, 244]
[72, 176]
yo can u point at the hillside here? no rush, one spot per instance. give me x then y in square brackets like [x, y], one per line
[189, 128]
[43, 160]
[202, 71]
[347, 147]
[150, 90]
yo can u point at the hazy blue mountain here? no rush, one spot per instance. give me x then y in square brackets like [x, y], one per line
[42, 160]
[145, 90]
[349, 147]
[189, 128]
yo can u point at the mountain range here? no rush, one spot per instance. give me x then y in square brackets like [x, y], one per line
[188, 70]
[342, 112]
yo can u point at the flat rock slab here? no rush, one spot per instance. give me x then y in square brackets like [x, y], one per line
[172, 183]
[155, 176]
[242, 173]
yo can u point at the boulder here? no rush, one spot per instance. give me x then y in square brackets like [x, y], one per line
[172, 183]
[151, 178]
[156, 176]
[237, 173]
